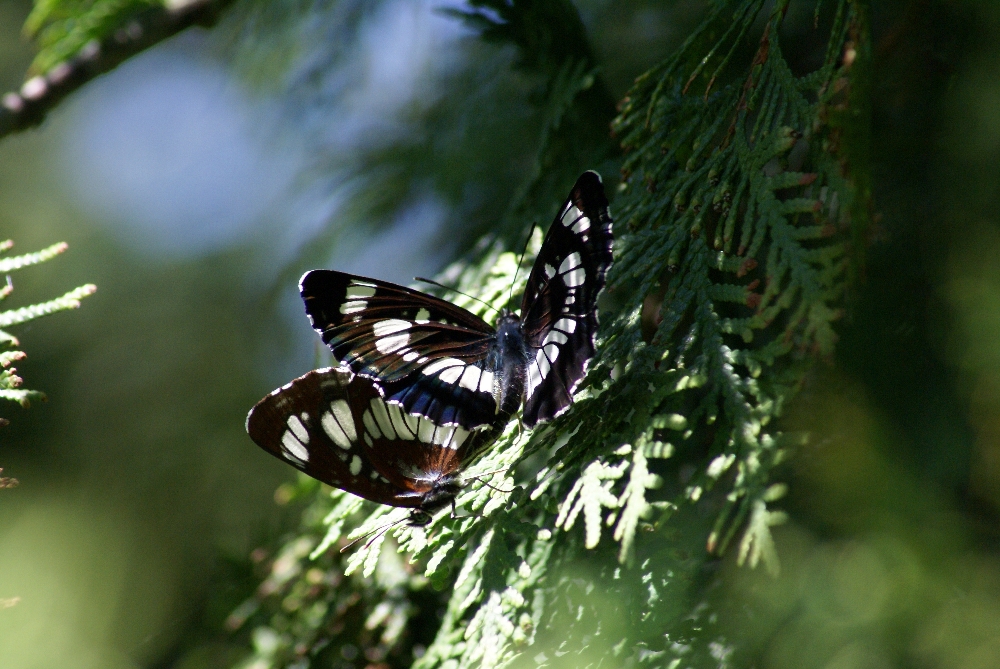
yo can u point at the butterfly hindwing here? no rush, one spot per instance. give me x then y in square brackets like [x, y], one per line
[336, 427]
[559, 308]
[313, 423]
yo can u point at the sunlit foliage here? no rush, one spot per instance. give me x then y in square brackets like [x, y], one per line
[588, 538]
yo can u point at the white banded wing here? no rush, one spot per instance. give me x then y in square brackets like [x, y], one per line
[559, 308]
[443, 363]
[429, 351]
[338, 428]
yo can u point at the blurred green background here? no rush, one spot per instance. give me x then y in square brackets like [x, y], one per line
[197, 181]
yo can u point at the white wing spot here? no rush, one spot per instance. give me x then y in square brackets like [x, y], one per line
[571, 214]
[410, 356]
[534, 378]
[353, 307]
[333, 431]
[423, 315]
[470, 378]
[399, 422]
[459, 438]
[382, 418]
[342, 413]
[443, 435]
[355, 466]
[354, 292]
[383, 328]
[412, 420]
[368, 439]
[567, 325]
[576, 277]
[296, 426]
[581, 226]
[572, 261]
[551, 352]
[393, 343]
[555, 336]
[487, 382]
[451, 374]
[339, 424]
[543, 363]
[355, 282]
[550, 271]
[370, 426]
[425, 430]
[293, 448]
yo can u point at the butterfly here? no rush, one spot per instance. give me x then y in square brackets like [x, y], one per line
[423, 386]
[441, 361]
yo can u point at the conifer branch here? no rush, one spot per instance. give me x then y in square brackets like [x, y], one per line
[731, 265]
[84, 47]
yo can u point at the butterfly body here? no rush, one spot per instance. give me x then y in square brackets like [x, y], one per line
[426, 386]
[508, 358]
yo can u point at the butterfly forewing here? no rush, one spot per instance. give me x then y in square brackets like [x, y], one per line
[559, 309]
[426, 352]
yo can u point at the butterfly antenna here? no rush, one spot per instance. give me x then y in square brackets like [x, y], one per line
[372, 535]
[527, 241]
[479, 477]
[455, 290]
[493, 487]
[381, 534]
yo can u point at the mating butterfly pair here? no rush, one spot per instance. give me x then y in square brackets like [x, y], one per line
[424, 386]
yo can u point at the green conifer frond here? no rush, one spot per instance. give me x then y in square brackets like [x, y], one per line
[70, 300]
[732, 229]
[10, 382]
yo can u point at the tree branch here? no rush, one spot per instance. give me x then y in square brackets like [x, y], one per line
[40, 94]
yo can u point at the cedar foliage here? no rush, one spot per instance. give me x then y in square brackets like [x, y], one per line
[10, 382]
[740, 216]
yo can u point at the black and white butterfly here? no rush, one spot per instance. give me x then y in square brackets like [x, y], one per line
[444, 362]
[445, 380]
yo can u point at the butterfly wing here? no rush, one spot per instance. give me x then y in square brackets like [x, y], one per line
[412, 450]
[428, 354]
[559, 308]
[315, 423]
[337, 428]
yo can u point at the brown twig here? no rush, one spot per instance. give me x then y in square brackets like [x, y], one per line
[28, 107]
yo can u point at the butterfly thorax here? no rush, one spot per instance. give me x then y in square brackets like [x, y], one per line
[508, 358]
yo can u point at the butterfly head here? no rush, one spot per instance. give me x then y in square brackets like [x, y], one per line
[443, 493]
[506, 316]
